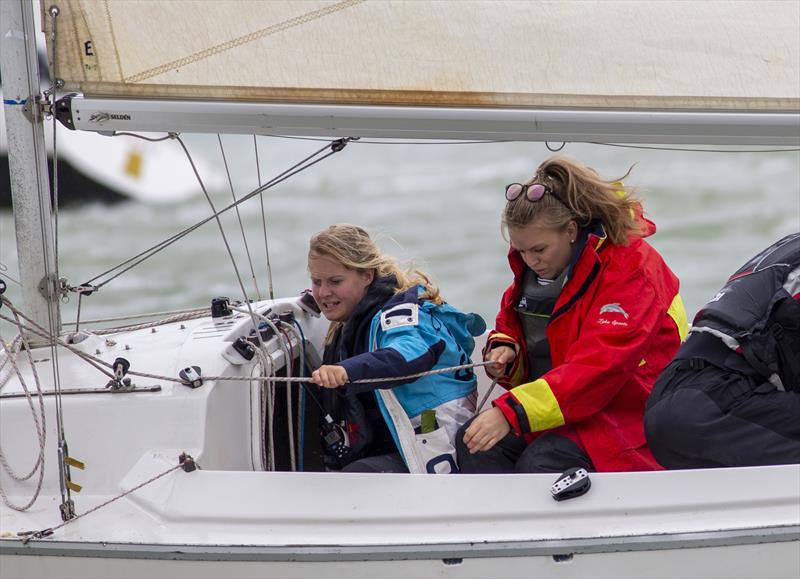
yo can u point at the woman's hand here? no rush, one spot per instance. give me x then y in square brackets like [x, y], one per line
[501, 356]
[486, 430]
[329, 376]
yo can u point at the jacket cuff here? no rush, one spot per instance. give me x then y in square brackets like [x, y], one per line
[495, 341]
[514, 413]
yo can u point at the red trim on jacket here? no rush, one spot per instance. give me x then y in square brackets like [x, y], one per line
[597, 377]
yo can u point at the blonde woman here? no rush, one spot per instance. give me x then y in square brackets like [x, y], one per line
[388, 323]
[591, 319]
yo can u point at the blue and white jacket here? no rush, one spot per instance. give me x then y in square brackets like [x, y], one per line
[408, 336]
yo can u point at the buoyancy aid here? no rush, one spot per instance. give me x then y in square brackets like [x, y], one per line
[535, 308]
[756, 315]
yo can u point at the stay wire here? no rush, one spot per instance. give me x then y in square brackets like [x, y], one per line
[694, 150]
[239, 217]
[62, 443]
[547, 144]
[224, 240]
[150, 252]
[264, 222]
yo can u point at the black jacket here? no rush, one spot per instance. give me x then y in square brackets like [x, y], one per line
[752, 325]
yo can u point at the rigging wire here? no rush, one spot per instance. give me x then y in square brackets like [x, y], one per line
[99, 363]
[387, 141]
[547, 144]
[694, 150]
[67, 506]
[264, 222]
[239, 217]
[138, 136]
[4, 270]
[150, 252]
[224, 239]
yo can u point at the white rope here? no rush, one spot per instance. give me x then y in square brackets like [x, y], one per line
[176, 318]
[39, 423]
[267, 412]
[302, 359]
[6, 369]
[204, 310]
[98, 362]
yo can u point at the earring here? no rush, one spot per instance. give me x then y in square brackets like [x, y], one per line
[572, 241]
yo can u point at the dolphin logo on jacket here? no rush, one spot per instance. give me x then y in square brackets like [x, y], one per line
[615, 308]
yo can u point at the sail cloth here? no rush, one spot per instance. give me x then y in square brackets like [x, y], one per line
[641, 55]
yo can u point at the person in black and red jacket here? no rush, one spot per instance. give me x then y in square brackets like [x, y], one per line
[591, 319]
[731, 396]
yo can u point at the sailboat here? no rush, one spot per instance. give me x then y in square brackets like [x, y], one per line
[97, 169]
[171, 445]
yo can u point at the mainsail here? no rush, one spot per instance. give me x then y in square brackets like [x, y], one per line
[600, 55]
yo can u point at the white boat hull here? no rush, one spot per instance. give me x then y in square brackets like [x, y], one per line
[773, 560]
[232, 518]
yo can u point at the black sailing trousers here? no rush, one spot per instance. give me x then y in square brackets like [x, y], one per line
[701, 416]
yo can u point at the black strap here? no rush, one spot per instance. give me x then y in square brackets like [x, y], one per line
[691, 364]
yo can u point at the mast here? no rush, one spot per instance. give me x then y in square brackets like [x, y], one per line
[27, 160]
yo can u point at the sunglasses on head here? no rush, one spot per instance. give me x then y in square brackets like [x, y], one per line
[533, 192]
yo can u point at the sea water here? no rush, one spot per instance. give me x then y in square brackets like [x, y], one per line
[436, 205]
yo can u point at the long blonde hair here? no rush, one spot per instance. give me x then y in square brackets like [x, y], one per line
[352, 246]
[578, 193]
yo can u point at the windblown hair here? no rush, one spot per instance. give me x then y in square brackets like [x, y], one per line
[578, 193]
[352, 246]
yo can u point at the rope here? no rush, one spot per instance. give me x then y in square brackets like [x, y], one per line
[289, 418]
[205, 310]
[299, 415]
[41, 430]
[266, 412]
[41, 332]
[288, 358]
[176, 318]
[5, 367]
[28, 535]
[99, 362]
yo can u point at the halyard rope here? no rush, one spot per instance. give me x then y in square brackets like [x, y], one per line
[100, 362]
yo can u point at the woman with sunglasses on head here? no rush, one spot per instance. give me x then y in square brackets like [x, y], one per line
[591, 319]
[388, 323]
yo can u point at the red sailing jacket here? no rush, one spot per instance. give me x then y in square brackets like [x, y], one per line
[617, 323]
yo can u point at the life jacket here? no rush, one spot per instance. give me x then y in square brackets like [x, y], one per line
[756, 316]
[534, 309]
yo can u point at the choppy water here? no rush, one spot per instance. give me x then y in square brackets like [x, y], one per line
[436, 204]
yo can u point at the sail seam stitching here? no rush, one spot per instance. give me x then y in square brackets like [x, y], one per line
[273, 29]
